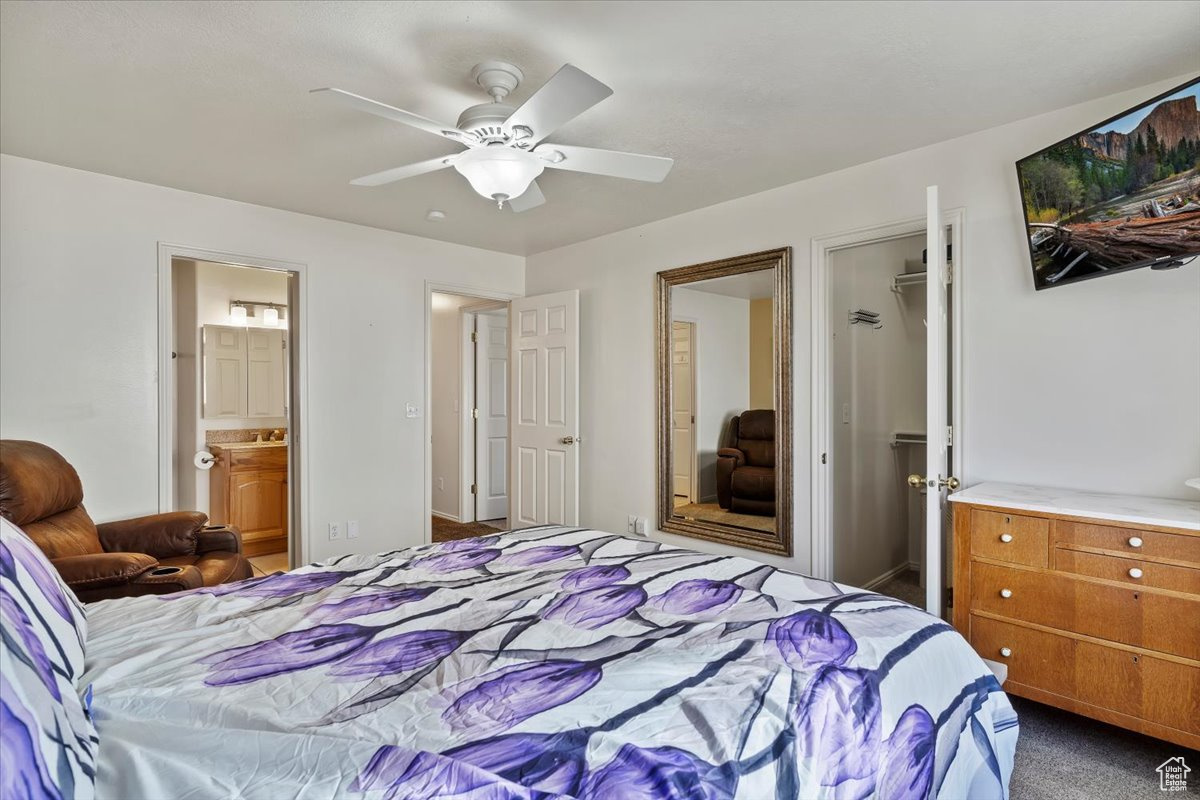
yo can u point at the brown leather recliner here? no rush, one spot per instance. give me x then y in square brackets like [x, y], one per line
[746, 469]
[41, 494]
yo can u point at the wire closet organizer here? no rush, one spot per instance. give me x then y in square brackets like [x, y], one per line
[863, 317]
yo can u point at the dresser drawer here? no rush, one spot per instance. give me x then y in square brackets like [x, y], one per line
[1010, 537]
[1128, 570]
[1133, 616]
[1137, 684]
[1129, 541]
[1034, 658]
[1140, 685]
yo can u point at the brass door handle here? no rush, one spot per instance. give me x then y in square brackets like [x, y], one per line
[567, 440]
[917, 481]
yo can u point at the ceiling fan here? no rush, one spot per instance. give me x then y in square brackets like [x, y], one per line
[505, 149]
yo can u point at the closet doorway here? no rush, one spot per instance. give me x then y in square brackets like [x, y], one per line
[230, 359]
[468, 415]
[870, 405]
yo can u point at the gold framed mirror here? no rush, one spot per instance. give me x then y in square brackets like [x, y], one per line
[723, 344]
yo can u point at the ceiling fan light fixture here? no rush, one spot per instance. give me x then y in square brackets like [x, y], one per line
[499, 173]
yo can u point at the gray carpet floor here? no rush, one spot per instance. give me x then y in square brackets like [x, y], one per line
[1063, 756]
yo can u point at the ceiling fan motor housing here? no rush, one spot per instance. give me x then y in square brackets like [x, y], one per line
[486, 121]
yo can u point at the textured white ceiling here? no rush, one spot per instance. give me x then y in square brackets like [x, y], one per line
[213, 97]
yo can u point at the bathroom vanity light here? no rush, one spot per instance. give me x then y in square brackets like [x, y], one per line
[237, 313]
[271, 316]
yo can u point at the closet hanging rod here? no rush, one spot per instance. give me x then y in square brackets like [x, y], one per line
[907, 279]
[908, 438]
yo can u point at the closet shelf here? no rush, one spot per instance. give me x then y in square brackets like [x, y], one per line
[907, 279]
[907, 438]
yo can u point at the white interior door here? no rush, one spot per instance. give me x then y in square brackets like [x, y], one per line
[544, 417]
[491, 424]
[683, 408]
[937, 453]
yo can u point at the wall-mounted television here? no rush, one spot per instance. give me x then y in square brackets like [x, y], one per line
[1122, 194]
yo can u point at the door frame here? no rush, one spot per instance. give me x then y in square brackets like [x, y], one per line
[469, 426]
[482, 295]
[821, 424]
[299, 537]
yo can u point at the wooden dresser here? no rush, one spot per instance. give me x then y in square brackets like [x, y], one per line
[248, 488]
[1091, 601]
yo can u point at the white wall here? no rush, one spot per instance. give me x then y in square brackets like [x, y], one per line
[720, 355]
[445, 401]
[79, 346]
[1095, 385]
[879, 379]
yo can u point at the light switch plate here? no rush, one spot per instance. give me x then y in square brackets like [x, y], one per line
[352, 529]
[335, 530]
[411, 411]
[639, 527]
[631, 524]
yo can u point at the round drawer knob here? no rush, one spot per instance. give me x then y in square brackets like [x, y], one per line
[1135, 573]
[1006, 537]
[1006, 651]
[1006, 593]
[1134, 541]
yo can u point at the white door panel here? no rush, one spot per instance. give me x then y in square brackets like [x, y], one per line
[545, 398]
[683, 408]
[224, 378]
[491, 425]
[266, 384]
[937, 465]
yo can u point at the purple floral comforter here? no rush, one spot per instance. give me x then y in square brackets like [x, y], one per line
[544, 663]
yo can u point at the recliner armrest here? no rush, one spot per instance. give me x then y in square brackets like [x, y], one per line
[218, 537]
[732, 452]
[159, 535]
[99, 570]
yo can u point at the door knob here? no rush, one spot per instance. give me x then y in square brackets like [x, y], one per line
[916, 481]
[567, 440]
[950, 483]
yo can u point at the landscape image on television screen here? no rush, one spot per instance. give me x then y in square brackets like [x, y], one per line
[1123, 194]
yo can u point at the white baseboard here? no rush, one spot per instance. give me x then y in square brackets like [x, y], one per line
[450, 517]
[891, 573]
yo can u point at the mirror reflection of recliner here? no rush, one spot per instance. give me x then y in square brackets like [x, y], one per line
[746, 468]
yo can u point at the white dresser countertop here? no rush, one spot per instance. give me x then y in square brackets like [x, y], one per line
[1116, 507]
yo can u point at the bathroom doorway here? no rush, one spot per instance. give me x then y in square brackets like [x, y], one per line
[468, 415]
[230, 335]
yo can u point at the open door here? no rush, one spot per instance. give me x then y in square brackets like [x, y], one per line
[544, 413]
[937, 477]
[491, 423]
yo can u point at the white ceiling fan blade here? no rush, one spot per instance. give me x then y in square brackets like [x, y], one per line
[567, 94]
[407, 171]
[532, 198]
[397, 115]
[605, 162]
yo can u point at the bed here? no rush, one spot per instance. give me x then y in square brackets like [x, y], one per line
[542, 663]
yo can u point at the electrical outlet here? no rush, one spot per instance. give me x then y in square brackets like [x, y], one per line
[335, 530]
[639, 527]
[352, 529]
[631, 524]
[411, 411]
[845, 413]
